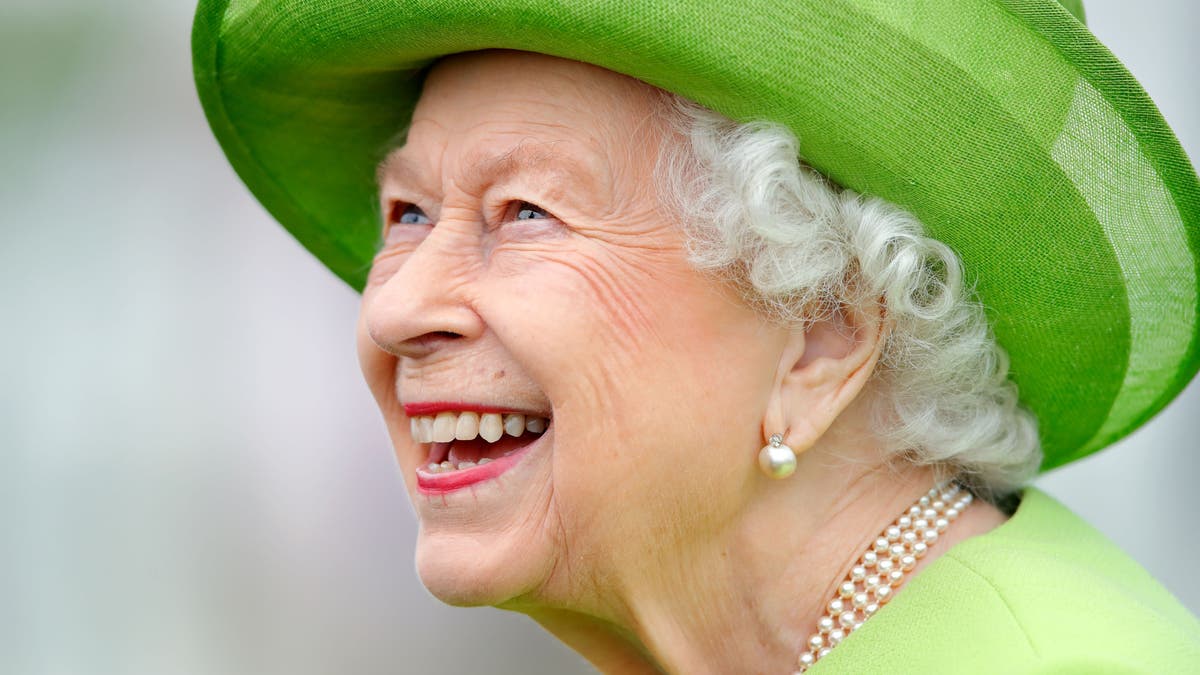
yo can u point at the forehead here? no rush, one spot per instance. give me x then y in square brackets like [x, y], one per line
[499, 111]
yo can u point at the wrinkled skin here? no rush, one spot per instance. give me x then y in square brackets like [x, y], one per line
[538, 270]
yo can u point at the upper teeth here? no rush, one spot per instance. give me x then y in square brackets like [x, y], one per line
[466, 426]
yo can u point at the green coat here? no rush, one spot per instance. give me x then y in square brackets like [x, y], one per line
[1043, 593]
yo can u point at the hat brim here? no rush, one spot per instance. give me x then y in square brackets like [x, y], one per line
[1015, 136]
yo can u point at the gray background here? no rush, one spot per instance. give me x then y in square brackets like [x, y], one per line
[193, 478]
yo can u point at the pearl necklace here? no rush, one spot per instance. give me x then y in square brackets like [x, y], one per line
[881, 570]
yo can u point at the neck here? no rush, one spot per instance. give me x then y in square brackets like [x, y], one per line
[753, 592]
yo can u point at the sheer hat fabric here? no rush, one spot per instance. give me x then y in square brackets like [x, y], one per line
[1015, 136]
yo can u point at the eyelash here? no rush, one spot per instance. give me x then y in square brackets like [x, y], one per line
[522, 206]
[400, 210]
[512, 212]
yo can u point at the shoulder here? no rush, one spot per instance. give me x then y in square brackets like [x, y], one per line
[1070, 589]
[1043, 593]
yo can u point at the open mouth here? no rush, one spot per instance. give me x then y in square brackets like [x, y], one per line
[467, 446]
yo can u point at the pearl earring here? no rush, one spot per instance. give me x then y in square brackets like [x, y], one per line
[776, 459]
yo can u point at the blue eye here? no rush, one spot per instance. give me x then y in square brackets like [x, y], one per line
[527, 211]
[409, 214]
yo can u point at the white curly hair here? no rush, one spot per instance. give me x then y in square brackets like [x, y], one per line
[793, 242]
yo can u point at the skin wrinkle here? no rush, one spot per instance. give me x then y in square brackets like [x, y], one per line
[640, 531]
[623, 304]
[562, 173]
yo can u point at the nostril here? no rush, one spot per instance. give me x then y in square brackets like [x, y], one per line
[415, 347]
[427, 343]
[435, 338]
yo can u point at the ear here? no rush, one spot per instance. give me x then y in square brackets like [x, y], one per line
[822, 369]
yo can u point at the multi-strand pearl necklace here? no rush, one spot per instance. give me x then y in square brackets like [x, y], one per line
[881, 570]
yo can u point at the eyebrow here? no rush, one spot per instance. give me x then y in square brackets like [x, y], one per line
[396, 164]
[544, 157]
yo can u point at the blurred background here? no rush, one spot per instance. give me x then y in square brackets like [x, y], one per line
[192, 477]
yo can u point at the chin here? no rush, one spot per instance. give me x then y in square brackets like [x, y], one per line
[488, 542]
[468, 570]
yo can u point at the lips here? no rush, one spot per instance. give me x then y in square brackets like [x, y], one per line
[470, 444]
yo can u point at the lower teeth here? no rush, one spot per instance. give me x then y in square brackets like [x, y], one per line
[466, 464]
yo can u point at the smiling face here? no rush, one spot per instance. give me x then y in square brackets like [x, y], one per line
[530, 268]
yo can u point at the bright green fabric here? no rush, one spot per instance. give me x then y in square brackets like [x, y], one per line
[1002, 124]
[1043, 593]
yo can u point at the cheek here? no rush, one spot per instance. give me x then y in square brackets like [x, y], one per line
[581, 318]
[651, 367]
[374, 363]
[379, 372]
[386, 263]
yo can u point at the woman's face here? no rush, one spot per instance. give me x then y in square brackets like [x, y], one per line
[529, 268]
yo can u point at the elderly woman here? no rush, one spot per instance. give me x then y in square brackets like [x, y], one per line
[687, 402]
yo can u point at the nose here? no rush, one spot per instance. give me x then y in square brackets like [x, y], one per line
[427, 303]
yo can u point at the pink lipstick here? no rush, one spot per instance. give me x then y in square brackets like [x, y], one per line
[441, 483]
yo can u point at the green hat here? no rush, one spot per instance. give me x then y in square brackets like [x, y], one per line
[1015, 136]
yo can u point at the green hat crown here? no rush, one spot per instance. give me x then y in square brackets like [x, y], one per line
[1017, 138]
